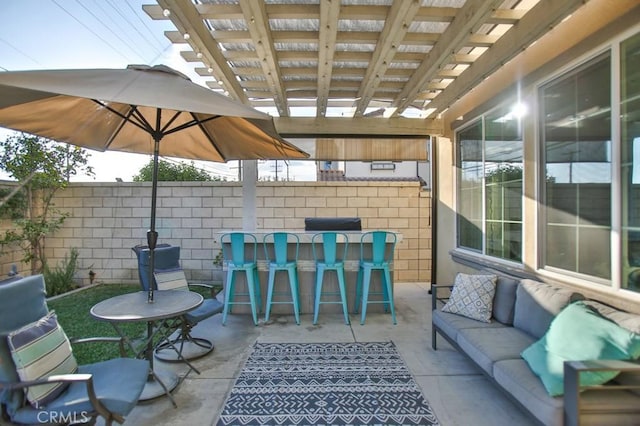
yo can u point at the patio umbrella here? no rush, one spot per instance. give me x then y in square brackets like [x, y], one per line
[140, 109]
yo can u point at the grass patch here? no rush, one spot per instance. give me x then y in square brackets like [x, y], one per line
[74, 317]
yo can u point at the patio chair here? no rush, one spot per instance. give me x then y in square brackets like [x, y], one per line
[41, 385]
[276, 245]
[379, 259]
[240, 251]
[167, 259]
[328, 257]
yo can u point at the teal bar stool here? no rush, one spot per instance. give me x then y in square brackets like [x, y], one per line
[330, 260]
[239, 250]
[378, 260]
[276, 252]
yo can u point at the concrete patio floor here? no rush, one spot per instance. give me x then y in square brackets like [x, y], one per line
[456, 390]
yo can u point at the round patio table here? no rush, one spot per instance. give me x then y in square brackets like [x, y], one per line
[159, 315]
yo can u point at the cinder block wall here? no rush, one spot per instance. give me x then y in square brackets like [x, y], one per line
[108, 219]
[10, 254]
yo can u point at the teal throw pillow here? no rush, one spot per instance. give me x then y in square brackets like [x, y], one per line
[579, 333]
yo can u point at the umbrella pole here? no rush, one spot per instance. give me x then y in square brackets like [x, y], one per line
[152, 235]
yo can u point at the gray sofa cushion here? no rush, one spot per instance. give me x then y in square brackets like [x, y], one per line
[451, 324]
[538, 303]
[485, 346]
[505, 299]
[517, 379]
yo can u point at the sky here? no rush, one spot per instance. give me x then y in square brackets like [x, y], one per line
[59, 34]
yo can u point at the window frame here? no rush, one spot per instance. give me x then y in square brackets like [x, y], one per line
[483, 214]
[542, 222]
[613, 285]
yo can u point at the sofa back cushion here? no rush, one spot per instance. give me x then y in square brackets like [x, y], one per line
[537, 303]
[504, 300]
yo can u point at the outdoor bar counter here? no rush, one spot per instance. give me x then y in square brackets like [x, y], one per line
[307, 273]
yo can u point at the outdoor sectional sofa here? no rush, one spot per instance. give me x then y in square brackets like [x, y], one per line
[521, 314]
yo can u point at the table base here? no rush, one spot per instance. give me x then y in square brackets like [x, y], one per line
[186, 350]
[154, 388]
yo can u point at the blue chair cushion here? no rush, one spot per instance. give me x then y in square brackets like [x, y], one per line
[118, 383]
[165, 257]
[174, 279]
[208, 308]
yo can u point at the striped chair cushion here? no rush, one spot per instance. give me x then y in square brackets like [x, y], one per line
[39, 350]
[171, 279]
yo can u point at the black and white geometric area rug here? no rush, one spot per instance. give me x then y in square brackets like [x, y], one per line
[326, 384]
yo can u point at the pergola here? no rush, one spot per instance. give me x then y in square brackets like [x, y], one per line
[375, 68]
[377, 78]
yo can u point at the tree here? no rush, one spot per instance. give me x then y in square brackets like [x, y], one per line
[42, 167]
[174, 172]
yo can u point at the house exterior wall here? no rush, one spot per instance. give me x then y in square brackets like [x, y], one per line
[362, 169]
[592, 26]
[401, 169]
[108, 219]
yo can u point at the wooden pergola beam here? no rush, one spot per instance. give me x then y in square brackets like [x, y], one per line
[255, 15]
[472, 14]
[358, 126]
[329, 12]
[396, 25]
[186, 19]
[514, 41]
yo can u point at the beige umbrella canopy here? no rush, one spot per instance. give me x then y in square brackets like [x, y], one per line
[140, 109]
[125, 109]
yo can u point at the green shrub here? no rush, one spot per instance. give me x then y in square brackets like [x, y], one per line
[60, 279]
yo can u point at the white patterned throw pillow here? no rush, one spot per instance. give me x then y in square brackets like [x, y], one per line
[472, 296]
